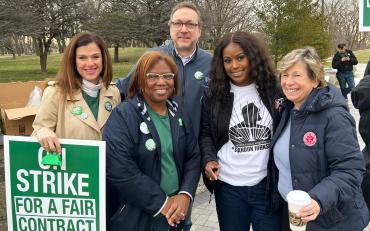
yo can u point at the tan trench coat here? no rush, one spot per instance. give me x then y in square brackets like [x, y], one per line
[57, 114]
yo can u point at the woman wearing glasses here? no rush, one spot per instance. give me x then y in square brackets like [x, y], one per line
[153, 161]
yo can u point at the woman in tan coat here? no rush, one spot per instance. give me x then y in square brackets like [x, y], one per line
[78, 103]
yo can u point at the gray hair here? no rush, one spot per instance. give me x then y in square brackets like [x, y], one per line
[308, 56]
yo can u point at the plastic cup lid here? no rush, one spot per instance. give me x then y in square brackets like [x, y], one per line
[298, 197]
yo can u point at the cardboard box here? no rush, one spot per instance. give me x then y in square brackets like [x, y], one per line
[15, 117]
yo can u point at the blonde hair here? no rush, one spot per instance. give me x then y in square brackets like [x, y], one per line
[308, 56]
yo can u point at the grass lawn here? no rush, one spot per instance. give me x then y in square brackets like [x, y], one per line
[363, 56]
[27, 67]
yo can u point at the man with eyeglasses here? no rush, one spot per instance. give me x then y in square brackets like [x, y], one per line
[193, 63]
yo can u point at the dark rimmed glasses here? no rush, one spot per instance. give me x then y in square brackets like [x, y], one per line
[188, 25]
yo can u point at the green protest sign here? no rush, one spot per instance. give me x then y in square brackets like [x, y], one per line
[364, 20]
[54, 198]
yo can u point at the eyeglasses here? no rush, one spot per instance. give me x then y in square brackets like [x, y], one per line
[188, 25]
[155, 76]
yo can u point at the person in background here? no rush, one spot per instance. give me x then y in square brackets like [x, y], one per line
[343, 61]
[315, 147]
[153, 159]
[78, 103]
[360, 96]
[238, 120]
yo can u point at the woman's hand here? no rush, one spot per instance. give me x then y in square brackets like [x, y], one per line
[178, 209]
[211, 170]
[310, 212]
[48, 140]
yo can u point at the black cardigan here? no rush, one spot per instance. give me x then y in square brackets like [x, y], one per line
[213, 135]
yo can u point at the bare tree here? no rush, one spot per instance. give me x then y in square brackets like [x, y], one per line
[8, 44]
[343, 23]
[57, 19]
[225, 16]
[120, 21]
[149, 19]
[12, 26]
[44, 20]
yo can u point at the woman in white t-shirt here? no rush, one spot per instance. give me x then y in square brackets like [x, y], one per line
[238, 120]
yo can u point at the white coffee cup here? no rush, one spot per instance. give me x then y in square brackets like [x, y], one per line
[297, 199]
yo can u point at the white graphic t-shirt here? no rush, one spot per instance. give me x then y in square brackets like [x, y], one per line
[244, 157]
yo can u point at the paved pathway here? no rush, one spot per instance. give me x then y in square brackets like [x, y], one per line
[204, 214]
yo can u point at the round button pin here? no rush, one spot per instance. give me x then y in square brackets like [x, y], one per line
[108, 106]
[198, 75]
[150, 145]
[84, 116]
[144, 128]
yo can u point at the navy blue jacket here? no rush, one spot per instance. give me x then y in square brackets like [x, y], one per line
[360, 96]
[325, 159]
[192, 80]
[134, 172]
